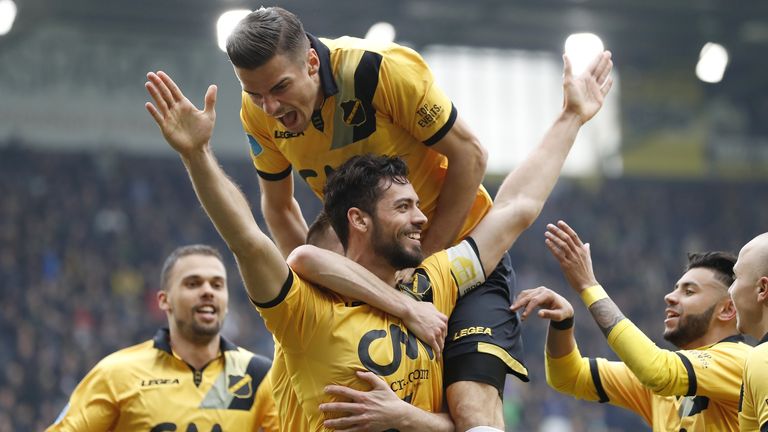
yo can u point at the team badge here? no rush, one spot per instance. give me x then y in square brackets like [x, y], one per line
[354, 113]
[240, 386]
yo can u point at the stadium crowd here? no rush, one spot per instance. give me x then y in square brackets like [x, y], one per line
[82, 237]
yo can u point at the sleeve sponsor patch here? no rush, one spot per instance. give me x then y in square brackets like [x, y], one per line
[465, 267]
[255, 146]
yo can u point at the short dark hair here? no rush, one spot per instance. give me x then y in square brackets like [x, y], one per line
[360, 182]
[264, 33]
[721, 263]
[182, 251]
[317, 227]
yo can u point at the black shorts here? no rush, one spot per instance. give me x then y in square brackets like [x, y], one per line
[482, 331]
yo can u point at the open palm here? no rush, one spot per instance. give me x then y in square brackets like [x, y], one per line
[185, 127]
[584, 94]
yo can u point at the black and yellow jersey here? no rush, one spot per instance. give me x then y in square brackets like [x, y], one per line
[147, 387]
[380, 99]
[290, 415]
[753, 406]
[692, 390]
[325, 338]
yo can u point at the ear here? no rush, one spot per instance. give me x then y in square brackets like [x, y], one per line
[762, 290]
[358, 220]
[313, 61]
[727, 311]
[162, 301]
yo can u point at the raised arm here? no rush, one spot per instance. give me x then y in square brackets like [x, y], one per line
[350, 279]
[189, 130]
[467, 159]
[282, 213]
[524, 191]
[664, 372]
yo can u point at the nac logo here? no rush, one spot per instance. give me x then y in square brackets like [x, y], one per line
[398, 339]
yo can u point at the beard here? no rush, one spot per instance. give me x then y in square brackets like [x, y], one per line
[690, 328]
[199, 332]
[395, 253]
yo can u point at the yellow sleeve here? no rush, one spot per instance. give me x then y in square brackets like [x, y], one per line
[598, 380]
[296, 314]
[266, 411]
[270, 163]
[441, 282]
[412, 97]
[665, 372]
[92, 407]
[755, 397]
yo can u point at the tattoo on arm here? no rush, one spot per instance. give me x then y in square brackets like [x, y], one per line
[606, 315]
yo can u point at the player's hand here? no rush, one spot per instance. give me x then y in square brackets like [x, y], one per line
[583, 95]
[427, 323]
[552, 306]
[404, 275]
[185, 127]
[375, 410]
[573, 256]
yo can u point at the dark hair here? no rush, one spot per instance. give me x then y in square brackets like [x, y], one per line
[719, 262]
[359, 182]
[264, 33]
[317, 228]
[182, 251]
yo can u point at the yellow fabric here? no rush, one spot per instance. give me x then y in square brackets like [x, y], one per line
[141, 387]
[325, 340]
[409, 110]
[592, 294]
[753, 412]
[716, 368]
[291, 417]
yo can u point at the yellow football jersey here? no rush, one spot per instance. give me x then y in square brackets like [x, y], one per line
[381, 99]
[705, 383]
[753, 406]
[325, 339]
[290, 415]
[147, 387]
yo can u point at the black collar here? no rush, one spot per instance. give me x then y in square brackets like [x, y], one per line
[734, 338]
[327, 83]
[162, 341]
[764, 339]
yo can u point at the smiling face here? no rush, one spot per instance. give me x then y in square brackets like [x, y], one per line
[691, 306]
[195, 297]
[285, 88]
[397, 224]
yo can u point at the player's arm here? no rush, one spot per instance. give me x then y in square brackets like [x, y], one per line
[350, 279]
[523, 192]
[379, 409]
[92, 406]
[664, 372]
[570, 373]
[282, 213]
[467, 160]
[189, 130]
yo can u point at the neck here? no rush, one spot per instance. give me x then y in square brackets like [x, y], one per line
[373, 263]
[761, 329]
[714, 335]
[195, 353]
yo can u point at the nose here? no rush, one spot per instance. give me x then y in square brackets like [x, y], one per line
[207, 289]
[670, 298]
[419, 218]
[270, 105]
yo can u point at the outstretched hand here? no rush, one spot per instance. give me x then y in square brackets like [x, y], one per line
[185, 127]
[573, 256]
[584, 94]
[374, 410]
[428, 324]
[552, 306]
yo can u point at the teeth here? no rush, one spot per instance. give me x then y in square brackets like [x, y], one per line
[414, 236]
[206, 309]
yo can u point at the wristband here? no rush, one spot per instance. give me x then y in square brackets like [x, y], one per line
[562, 325]
[592, 294]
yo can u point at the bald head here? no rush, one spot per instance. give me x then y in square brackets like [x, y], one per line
[753, 258]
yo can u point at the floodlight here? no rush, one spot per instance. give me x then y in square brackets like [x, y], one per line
[713, 59]
[581, 49]
[383, 32]
[226, 23]
[7, 15]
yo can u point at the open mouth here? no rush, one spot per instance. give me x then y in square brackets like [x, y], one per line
[289, 119]
[206, 312]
